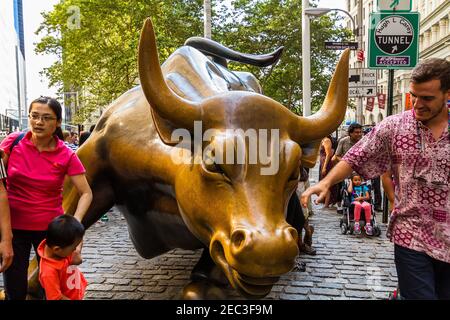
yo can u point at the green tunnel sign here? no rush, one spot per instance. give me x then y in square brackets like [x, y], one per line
[393, 40]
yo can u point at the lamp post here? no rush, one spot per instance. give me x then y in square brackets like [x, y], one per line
[317, 12]
[306, 61]
[306, 53]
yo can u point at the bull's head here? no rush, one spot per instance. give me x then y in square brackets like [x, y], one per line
[233, 208]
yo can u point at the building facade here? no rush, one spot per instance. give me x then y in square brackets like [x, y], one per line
[12, 66]
[434, 41]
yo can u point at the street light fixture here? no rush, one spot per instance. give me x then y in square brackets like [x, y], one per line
[317, 12]
[306, 50]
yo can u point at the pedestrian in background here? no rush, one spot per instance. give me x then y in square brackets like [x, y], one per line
[327, 149]
[68, 140]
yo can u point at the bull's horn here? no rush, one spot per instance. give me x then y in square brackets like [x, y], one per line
[332, 112]
[161, 98]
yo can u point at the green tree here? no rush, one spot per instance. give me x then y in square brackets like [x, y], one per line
[97, 40]
[259, 26]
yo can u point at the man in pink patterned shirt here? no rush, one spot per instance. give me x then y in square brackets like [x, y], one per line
[415, 146]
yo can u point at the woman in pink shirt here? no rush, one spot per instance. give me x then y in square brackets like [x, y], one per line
[37, 166]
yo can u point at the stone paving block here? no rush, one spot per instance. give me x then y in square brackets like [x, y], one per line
[98, 295]
[353, 272]
[151, 289]
[303, 284]
[330, 285]
[357, 294]
[124, 288]
[99, 287]
[95, 280]
[128, 296]
[381, 295]
[162, 277]
[284, 296]
[103, 265]
[361, 287]
[156, 272]
[318, 297]
[118, 281]
[325, 291]
[277, 288]
[296, 290]
[320, 265]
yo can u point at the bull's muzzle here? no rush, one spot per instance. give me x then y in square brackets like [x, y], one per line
[253, 259]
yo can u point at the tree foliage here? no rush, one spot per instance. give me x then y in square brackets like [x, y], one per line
[265, 25]
[99, 58]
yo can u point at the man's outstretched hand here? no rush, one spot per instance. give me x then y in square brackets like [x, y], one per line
[319, 189]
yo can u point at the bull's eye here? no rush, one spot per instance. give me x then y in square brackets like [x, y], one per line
[212, 169]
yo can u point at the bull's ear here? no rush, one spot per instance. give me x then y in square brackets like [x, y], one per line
[310, 152]
[164, 128]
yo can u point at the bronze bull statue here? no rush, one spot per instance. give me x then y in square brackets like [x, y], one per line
[231, 209]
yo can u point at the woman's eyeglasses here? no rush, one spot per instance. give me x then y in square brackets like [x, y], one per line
[44, 118]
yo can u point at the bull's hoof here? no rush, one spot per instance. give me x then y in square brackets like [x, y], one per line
[203, 290]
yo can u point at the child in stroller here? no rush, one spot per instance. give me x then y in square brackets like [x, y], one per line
[357, 197]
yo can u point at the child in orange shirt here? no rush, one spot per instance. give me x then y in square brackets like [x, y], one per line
[59, 253]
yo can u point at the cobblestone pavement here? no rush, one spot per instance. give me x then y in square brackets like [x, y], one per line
[345, 267]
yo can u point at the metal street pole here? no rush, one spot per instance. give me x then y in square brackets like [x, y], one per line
[359, 107]
[207, 18]
[306, 48]
[306, 61]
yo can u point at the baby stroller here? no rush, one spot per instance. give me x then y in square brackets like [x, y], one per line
[347, 222]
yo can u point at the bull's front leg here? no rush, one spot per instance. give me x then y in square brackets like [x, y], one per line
[207, 280]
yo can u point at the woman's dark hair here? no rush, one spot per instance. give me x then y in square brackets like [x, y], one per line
[63, 231]
[56, 107]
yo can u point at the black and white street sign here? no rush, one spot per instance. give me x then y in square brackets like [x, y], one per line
[330, 45]
[362, 83]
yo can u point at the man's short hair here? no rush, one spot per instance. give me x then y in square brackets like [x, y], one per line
[63, 231]
[352, 127]
[432, 69]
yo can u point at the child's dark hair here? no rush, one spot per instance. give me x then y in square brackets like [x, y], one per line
[64, 231]
[355, 174]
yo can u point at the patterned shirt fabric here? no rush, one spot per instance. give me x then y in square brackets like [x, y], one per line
[420, 166]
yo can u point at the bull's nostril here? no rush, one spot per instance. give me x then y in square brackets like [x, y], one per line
[238, 239]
